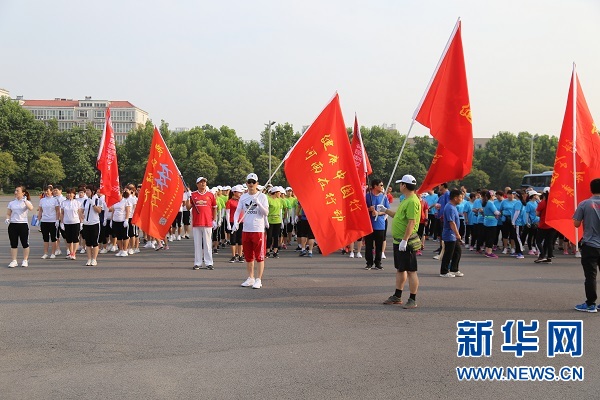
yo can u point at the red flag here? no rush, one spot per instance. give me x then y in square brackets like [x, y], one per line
[107, 164]
[577, 147]
[445, 109]
[161, 193]
[321, 169]
[361, 160]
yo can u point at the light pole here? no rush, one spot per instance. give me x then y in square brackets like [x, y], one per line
[531, 156]
[269, 125]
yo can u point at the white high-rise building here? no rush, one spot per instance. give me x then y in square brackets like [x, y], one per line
[71, 113]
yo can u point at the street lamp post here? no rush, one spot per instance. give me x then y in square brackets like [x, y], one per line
[269, 125]
[531, 156]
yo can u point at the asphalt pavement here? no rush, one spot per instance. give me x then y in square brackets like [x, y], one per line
[149, 327]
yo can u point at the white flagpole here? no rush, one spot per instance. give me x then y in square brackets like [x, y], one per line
[575, 86]
[400, 155]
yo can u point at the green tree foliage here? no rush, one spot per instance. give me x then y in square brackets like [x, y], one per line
[200, 164]
[132, 156]
[282, 139]
[46, 169]
[8, 168]
[477, 179]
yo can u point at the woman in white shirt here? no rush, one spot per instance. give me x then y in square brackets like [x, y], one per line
[70, 222]
[18, 228]
[48, 215]
[120, 223]
[90, 215]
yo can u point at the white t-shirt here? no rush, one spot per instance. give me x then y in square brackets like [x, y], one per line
[81, 199]
[70, 210]
[90, 216]
[48, 206]
[119, 210]
[133, 200]
[18, 210]
[254, 216]
[186, 197]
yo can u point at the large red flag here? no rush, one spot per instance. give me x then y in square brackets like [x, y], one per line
[107, 164]
[361, 160]
[321, 169]
[445, 109]
[161, 193]
[575, 165]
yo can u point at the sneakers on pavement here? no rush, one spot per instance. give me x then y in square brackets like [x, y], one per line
[257, 284]
[358, 255]
[210, 267]
[410, 304]
[248, 282]
[130, 251]
[44, 256]
[393, 299]
[302, 253]
[436, 257]
[13, 264]
[88, 263]
[587, 308]
[25, 264]
[368, 267]
[57, 252]
[351, 254]
[378, 268]
[448, 275]
[520, 256]
[52, 256]
[94, 263]
[505, 250]
[458, 274]
[491, 255]
[233, 259]
[196, 267]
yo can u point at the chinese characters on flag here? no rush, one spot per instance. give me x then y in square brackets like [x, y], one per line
[162, 191]
[321, 169]
[576, 163]
[107, 163]
[446, 111]
[361, 160]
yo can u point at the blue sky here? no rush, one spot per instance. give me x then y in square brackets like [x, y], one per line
[243, 63]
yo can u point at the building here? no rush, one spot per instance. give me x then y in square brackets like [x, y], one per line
[72, 113]
[4, 93]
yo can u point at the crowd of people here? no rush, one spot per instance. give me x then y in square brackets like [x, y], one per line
[257, 221]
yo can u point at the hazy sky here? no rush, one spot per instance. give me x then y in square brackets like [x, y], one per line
[243, 63]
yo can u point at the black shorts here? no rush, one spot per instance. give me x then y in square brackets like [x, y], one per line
[186, 218]
[91, 235]
[236, 237]
[71, 234]
[177, 220]
[405, 260]
[16, 232]
[132, 230]
[119, 231]
[304, 230]
[48, 231]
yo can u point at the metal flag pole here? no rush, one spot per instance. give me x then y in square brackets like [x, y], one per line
[400, 155]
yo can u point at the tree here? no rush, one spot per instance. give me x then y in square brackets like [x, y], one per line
[47, 169]
[261, 168]
[200, 164]
[477, 179]
[511, 175]
[282, 139]
[132, 156]
[8, 168]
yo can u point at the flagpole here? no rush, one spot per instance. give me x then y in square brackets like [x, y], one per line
[400, 155]
[575, 87]
[170, 155]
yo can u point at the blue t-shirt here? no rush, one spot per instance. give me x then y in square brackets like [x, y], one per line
[521, 217]
[477, 204]
[530, 208]
[507, 208]
[489, 216]
[461, 209]
[498, 204]
[442, 201]
[372, 200]
[450, 215]
[431, 199]
[470, 214]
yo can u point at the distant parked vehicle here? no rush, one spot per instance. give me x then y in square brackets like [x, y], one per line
[537, 181]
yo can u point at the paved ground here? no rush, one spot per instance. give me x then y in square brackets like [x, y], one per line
[149, 327]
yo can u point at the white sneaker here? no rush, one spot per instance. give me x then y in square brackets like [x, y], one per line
[178, 237]
[383, 256]
[257, 284]
[458, 274]
[153, 245]
[351, 254]
[14, 263]
[130, 251]
[512, 251]
[505, 250]
[114, 248]
[358, 255]
[82, 251]
[118, 254]
[44, 256]
[94, 263]
[137, 250]
[124, 254]
[248, 282]
[448, 275]
[52, 256]
[25, 263]
[436, 257]
[148, 245]
[57, 252]
[103, 251]
[170, 238]
[88, 263]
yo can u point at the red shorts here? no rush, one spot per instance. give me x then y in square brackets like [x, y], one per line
[254, 246]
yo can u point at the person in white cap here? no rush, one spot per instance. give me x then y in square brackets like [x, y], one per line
[404, 225]
[531, 221]
[255, 207]
[203, 206]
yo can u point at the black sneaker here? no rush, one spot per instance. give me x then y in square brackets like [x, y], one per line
[540, 260]
[240, 259]
[196, 267]
[209, 267]
[368, 267]
[215, 251]
[275, 255]
[302, 253]
[378, 268]
[547, 261]
[233, 259]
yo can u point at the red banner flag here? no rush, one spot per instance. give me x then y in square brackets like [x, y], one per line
[162, 191]
[575, 165]
[107, 164]
[445, 109]
[361, 160]
[321, 169]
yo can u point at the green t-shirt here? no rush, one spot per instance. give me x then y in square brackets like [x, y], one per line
[221, 201]
[409, 208]
[275, 207]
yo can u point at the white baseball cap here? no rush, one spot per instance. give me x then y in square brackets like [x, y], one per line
[407, 179]
[281, 189]
[201, 179]
[252, 175]
[533, 193]
[546, 189]
[273, 189]
[238, 188]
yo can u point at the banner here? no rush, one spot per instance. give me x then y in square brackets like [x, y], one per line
[361, 160]
[107, 164]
